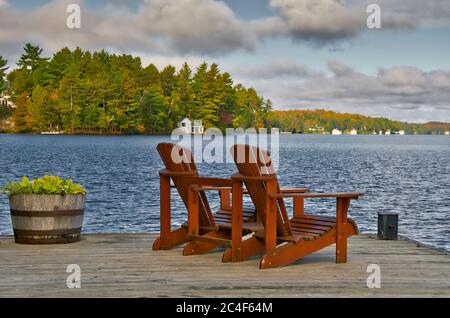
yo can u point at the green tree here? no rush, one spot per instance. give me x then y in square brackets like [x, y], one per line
[126, 119]
[153, 111]
[184, 96]
[149, 76]
[267, 109]
[168, 80]
[58, 66]
[70, 104]
[3, 68]
[42, 115]
[20, 113]
[206, 98]
[20, 82]
[226, 96]
[211, 103]
[199, 83]
[82, 91]
[31, 59]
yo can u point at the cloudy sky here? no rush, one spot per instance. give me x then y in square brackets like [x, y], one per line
[300, 53]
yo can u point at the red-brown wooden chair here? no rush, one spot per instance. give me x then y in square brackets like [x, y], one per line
[214, 230]
[284, 240]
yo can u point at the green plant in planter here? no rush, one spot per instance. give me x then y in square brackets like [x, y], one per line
[44, 185]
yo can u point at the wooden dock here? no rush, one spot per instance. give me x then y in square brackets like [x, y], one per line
[123, 265]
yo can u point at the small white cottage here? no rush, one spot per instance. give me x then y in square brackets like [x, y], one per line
[6, 101]
[189, 129]
[198, 128]
[186, 126]
[336, 132]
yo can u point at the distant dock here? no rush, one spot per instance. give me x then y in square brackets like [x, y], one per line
[123, 265]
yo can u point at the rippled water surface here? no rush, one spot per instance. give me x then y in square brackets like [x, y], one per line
[409, 175]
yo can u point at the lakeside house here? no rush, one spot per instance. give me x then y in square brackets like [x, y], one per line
[447, 133]
[388, 132]
[52, 132]
[191, 129]
[5, 101]
[353, 132]
[400, 132]
[336, 132]
[317, 129]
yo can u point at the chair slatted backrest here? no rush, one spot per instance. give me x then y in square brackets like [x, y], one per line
[255, 162]
[186, 164]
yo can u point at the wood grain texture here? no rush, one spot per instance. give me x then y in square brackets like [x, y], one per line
[123, 265]
[46, 219]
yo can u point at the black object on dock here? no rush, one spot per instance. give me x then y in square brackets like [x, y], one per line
[387, 226]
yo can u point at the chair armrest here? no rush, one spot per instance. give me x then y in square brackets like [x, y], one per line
[212, 182]
[165, 172]
[355, 195]
[241, 177]
[209, 188]
[288, 190]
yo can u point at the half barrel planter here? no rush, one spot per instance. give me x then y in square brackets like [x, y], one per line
[47, 218]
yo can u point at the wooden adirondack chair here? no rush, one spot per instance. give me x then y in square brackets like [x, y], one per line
[284, 240]
[184, 176]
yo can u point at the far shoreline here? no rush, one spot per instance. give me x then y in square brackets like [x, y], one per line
[168, 135]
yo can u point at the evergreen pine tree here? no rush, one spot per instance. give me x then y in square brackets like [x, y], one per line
[168, 80]
[3, 68]
[184, 92]
[31, 59]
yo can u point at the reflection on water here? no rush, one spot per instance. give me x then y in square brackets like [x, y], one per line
[409, 175]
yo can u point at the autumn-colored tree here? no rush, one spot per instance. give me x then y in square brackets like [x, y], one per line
[79, 91]
[20, 114]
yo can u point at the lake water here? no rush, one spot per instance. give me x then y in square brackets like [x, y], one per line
[409, 175]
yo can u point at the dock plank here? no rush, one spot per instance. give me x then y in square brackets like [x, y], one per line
[123, 265]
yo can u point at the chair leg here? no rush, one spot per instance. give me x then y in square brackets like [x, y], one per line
[177, 237]
[290, 252]
[236, 221]
[342, 205]
[249, 248]
[164, 241]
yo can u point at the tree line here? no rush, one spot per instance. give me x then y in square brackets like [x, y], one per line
[318, 121]
[80, 91]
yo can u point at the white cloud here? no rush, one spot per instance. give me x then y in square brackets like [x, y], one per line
[158, 26]
[160, 61]
[199, 26]
[339, 69]
[418, 13]
[320, 20]
[273, 69]
[405, 93]
[172, 31]
[185, 26]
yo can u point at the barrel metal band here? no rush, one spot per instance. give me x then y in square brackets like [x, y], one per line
[47, 232]
[35, 241]
[47, 213]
